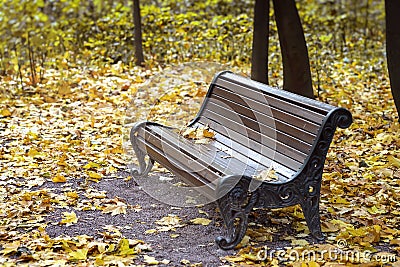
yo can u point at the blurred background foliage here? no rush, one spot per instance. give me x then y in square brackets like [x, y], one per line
[41, 34]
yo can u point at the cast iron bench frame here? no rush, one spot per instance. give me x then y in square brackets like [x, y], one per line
[296, 150]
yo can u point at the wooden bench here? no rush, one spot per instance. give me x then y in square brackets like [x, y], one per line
[257, 128]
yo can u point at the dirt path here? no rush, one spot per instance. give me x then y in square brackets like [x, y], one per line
[190, 243]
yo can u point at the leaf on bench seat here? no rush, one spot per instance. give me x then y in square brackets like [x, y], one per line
[189, 133]
[267, 175]
[201, 135]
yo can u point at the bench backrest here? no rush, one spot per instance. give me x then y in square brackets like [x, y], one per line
[260, 124]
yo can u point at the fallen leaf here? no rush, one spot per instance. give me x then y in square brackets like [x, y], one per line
[59, 179]
[115, 209]
[79, 254]
[91, 165]
[267, 175]
[124, 248]
[5, 112]
[69, 218]
[94, 175]
[170, 220]
[150, 260]
[202, 221]
[395, 162]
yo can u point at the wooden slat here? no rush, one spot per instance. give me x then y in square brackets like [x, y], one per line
[298, 100]
[272, 101]
[260, 122]
[256, 160]
[267, 139]
[192, 179]
[181, 160]
[279, 153]
[226, 161]
[266, 111]
[208, 156]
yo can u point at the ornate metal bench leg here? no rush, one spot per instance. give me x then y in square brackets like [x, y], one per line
[144, 167]
[310, 207]
[235, 207]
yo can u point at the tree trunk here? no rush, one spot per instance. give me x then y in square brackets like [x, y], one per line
[392, 9]
[296, 65]
[139, 58]
[259, 57]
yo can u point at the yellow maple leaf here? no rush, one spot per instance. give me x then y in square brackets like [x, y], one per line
[202, 135]
[238, 258]
[5, 113]
[33, 153]
[91, 165]
[189, 133]
[395, 242]
[94, 175]
[64, 88]
[69, 218]
[395, 162]
[59, 179]
[9, 248]
[205, 132]
[116, 209]
[124, 249]
[375, 210]
[79, 254]
[150, 231]
[202, 221]
[170, 220]
[72, 195]
[339, 200]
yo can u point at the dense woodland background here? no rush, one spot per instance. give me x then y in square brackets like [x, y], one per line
[37, 35]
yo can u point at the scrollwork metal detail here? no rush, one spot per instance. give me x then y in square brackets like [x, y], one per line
[235, 207]
[304, 188]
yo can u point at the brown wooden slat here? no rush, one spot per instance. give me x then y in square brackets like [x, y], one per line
[181, 160]
[232, 163]
[268, 139]
[272, 101]
[218, 162]
[280, 153]
[192, 179]
[261, 123]
[256, 160]
[266, 111]
[239, 161]
[298, 100]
